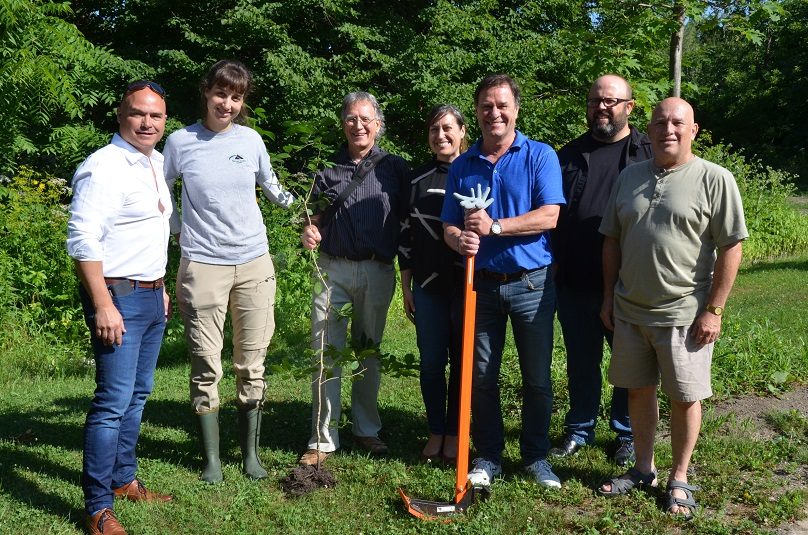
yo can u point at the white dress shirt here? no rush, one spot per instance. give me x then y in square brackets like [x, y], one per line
[120, 212]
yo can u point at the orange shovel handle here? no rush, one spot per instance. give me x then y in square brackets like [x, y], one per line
[466, 364]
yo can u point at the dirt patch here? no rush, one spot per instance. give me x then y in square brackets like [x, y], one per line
[305, 479]
[757, 410]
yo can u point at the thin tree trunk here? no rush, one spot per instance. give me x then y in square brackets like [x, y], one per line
[676, 49]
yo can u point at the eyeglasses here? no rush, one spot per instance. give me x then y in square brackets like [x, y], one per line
[353, 120]
[142, 84]
[608, 102]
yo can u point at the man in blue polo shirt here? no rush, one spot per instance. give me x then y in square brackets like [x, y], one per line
[511, 245]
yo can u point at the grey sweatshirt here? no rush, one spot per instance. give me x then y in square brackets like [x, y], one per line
[221, 221]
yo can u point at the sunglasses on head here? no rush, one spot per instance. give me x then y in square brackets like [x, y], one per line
[143, 84]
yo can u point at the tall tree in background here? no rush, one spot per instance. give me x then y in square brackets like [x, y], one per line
[51, 80]
[306, 54]
[752, 70]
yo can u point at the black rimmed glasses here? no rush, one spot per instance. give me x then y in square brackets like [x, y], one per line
[608, 102]
[143, 84]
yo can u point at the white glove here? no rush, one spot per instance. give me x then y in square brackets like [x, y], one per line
[479, 200]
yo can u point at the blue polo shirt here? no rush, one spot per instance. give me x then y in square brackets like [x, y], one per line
[525, 178]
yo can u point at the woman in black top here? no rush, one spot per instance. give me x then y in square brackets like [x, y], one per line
[432, 284]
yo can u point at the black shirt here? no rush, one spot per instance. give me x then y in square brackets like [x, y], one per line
[589, 170]
[435, 267]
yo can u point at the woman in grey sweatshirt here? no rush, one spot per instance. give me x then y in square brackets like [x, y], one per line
[225, 262]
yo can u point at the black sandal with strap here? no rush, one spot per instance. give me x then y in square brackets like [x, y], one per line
[632, 479]
[670, 501]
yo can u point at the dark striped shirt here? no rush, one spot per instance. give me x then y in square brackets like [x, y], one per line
[369, 221]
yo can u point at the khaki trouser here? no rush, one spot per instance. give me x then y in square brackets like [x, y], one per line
[205, 292]
[369, 286]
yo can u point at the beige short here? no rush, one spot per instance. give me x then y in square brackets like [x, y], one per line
[205, 293]
[641, 354]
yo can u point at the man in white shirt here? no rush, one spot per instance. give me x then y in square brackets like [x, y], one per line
[117, 236]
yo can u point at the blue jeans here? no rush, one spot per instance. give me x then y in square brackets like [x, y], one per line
[579, 315]
[124, 376]
[529, 303]
[439, 327]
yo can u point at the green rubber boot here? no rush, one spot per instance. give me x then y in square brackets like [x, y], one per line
[209, 433]
[249, 426]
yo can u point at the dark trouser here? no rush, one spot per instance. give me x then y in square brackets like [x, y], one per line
[579, 315]
[438, 324]
[124, 376]
[529, 302]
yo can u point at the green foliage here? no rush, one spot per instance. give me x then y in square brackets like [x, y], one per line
[750, 68]
[37, 285]
[775, 227]
[51, 81]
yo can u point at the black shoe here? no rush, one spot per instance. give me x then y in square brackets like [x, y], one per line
[624, 452]
[567, 449]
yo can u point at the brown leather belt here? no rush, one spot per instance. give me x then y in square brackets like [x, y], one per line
[152, 285]
[505, 277]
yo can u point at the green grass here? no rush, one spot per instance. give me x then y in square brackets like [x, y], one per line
[743, 477]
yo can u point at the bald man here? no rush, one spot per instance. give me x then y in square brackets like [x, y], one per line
[117, 235]
[673, 229]
[590, 165]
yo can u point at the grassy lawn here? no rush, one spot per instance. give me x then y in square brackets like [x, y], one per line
[748, 481]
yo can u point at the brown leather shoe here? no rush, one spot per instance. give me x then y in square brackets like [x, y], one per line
[137, 492]
[372, 445]
[104, 522]
[313, 457]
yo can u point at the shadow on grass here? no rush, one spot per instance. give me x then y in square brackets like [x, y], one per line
[285, 427]
[776, 265]
[14, 459]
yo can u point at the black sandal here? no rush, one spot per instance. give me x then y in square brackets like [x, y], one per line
[632, 479]
[669, 500]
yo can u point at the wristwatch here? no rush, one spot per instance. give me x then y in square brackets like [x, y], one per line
[496, 228]
[715, 310]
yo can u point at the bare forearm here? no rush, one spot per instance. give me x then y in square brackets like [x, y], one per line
[451, 235]
[108, 322]
[724, 273]
[534, 222]
[611, 265]
[406, 279]
[464, 241]
[91, 274]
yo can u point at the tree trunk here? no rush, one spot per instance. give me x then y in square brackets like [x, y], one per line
[676, 49]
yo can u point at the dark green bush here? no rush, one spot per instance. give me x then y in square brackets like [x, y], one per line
[775, 227]
[37, 282]
[38, 275]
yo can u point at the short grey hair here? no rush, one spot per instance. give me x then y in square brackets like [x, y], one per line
[358, 96]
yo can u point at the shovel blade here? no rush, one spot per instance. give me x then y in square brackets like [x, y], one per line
[429, 510]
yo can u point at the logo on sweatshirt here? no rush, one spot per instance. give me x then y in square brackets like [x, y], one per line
[237, 158]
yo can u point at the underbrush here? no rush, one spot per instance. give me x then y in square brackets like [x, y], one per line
[38, 287]
[775, 227]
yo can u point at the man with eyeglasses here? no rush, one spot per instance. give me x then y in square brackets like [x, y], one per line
[590, 165]
[117, 236]
[357, 231]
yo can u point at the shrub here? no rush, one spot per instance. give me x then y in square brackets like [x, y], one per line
[37, 284]
[775, 227]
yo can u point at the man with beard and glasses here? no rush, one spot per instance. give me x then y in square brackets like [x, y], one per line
[590, 165]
